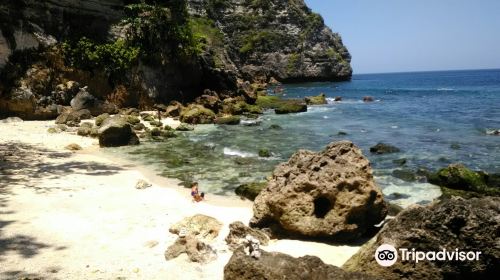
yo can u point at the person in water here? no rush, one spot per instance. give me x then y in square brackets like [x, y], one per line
[195, 193]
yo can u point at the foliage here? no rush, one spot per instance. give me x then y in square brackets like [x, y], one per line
[260, 41]
[161, 29]
[206, 33]
[115, 58]
[293, 62]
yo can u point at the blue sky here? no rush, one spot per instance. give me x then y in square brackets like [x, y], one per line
[417, 35]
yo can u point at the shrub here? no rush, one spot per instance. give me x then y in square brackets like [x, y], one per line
[115, 58]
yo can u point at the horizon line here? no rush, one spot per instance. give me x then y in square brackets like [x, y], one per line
[425, 71]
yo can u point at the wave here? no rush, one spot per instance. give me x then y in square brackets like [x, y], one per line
[233, 152]
[445, 89]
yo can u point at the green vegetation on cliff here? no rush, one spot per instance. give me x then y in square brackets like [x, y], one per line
[115, 58]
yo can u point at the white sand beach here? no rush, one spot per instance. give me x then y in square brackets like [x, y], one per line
[78, 215]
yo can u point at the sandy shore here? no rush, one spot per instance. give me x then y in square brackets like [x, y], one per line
[77, 215]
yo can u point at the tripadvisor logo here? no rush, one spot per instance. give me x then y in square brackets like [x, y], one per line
[387, 255]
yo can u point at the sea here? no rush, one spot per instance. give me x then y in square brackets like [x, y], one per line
[434, 118]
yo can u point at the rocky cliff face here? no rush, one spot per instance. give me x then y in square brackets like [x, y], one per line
[281, 39]
[234, 40]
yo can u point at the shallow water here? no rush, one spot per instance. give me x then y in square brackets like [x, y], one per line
[423, 114]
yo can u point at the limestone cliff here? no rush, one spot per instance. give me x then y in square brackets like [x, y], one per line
[281, 39]
[222, 42]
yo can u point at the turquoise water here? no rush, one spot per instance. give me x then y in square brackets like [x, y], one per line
[423, 114]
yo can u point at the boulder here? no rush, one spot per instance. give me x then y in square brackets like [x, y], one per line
[329, 195]
[73, 147]
[11, 120]
[196, 250]
[238, 233]
[228, 120]
[174, 109]
[250, 190]
[184, 127]
[100, 119]
[466, 225]
[73, 118]
[368, 99]
[84, 100]
[382, 148]
[234, 106]
[197, 114]
[281, 266]
[116, 131]
[264, 153]
[291, 107]
[209, 100]
[84, 131]
[142, 184]
[200, 226]
[316, 100]
[456, 179]
[404, 174]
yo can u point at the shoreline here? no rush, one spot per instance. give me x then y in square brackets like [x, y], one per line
[78, 215]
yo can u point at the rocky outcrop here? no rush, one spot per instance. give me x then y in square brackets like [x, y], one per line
[196, 250]
[466, 225]
[250, 190]
[456, 179]
[280, 39]
[84, 100]
[73, 118]
[116, 131]
[197, 114]
[238, 233]
[330, 194]
[200, 226]
[316, 100]
[281, 266]
[382, 148]
[228, 43]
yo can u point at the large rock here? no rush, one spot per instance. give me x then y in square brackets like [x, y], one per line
[197, 114]
[281, 266]
[330, 194]
[250, 190]
[288, 108]
[85, 100]
[73, 118]
[382, 148]
[116, 131]
[238, 233]
[316, 100]
[466, 225]
[201, 226]
[456, 179]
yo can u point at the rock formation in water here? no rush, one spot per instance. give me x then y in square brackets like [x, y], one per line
[330, 194]
[137, 53]
[466, 225]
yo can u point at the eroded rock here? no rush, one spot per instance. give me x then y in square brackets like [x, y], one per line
[281, 266]
[467, 225]
[330, 194]
[238, 233]
[200, 226]
[116, 131]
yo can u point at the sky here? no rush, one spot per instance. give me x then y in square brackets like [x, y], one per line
[415, 35]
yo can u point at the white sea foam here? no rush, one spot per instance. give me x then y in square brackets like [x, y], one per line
[445, 89]
[233, 152]
[417, 192]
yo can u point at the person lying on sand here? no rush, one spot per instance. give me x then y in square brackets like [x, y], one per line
[195, 193]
